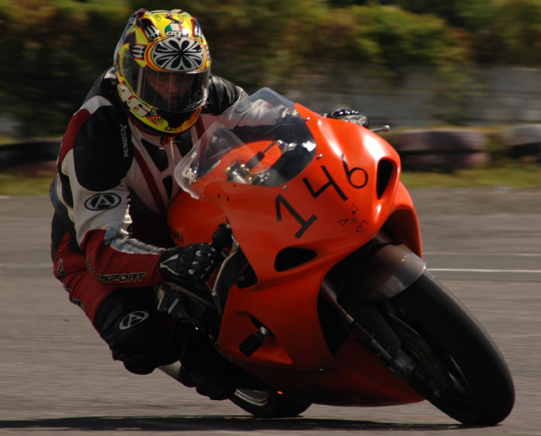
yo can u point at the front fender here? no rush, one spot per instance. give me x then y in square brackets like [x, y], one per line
[396, 268]
[378, 271]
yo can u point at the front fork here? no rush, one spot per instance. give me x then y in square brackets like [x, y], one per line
[378, 272]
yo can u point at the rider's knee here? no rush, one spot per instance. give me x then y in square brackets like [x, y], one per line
[137, 334]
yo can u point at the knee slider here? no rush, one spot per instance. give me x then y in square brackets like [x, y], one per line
[137, 334]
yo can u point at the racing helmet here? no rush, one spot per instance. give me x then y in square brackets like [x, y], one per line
[162, 65]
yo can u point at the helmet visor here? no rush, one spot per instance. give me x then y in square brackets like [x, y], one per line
[167, 91]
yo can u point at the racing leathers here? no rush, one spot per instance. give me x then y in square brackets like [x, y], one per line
[114, 183]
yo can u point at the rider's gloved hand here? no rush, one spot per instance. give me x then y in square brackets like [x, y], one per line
[350, 115]
[221, 238]
[191, 264]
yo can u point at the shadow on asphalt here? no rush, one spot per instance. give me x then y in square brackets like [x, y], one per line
[206, 423]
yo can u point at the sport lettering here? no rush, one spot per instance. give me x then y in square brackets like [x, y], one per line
[122, 278]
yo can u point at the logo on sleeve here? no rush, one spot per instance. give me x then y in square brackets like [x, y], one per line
[102, 202]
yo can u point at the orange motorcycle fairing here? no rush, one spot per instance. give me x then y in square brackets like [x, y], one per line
[348, 193]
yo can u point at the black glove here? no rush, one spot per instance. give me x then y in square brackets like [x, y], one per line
[221, 238]
[350, 115]
[191, 264]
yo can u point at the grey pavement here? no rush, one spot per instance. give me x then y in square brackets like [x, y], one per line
[56, 375]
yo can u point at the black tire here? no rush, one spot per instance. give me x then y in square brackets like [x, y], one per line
[460, 370]
[268, 404]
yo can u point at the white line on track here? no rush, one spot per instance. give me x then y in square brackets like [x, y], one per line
[482, 254]
[25, 265]
[526, 271]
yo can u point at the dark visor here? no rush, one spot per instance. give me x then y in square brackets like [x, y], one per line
[171, 92]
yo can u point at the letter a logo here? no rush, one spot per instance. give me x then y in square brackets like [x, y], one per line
[132, 319]
[102, 202]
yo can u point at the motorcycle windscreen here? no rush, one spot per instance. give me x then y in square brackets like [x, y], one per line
[262, 140]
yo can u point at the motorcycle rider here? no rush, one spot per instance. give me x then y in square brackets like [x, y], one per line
[110, 243]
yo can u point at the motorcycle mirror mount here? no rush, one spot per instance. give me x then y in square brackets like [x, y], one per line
[381, 129]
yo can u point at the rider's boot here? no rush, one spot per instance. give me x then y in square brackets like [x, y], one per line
[205, 369]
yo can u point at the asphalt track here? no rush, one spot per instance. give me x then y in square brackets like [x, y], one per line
[56, 376]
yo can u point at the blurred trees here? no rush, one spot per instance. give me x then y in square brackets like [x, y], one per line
[497, 31]
[51, 51]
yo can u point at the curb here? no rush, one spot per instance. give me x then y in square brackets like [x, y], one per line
[419, 149]
[34, 157]
[446, 149]
[522, 141]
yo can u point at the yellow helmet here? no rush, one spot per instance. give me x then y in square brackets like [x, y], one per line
[162, 65]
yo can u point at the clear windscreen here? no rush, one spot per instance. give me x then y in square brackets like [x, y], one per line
[262, 140]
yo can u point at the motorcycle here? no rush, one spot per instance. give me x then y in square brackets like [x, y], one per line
[323, 296]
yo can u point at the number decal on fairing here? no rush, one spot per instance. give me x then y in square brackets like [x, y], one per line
[304, 223]
[350, 172]
[332, 183]
[353, 179]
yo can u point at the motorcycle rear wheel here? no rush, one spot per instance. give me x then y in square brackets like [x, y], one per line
[268, 404]
[459, 368]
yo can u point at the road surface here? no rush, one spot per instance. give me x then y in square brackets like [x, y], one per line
[56, 375]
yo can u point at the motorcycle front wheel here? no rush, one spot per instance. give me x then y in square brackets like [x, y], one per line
[458, 367]
[268, 404]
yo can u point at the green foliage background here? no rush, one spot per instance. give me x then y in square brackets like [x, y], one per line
[51, 51]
